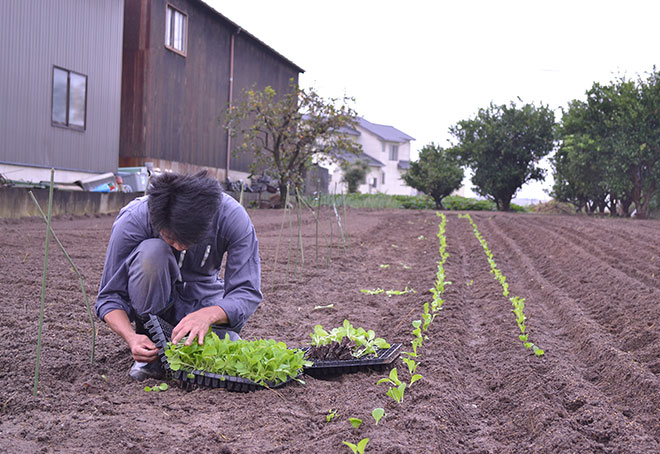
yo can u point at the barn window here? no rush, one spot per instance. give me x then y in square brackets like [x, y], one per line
[175, 30]
[69, 99]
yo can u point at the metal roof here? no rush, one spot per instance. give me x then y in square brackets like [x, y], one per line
[387, 133]
[350, 157]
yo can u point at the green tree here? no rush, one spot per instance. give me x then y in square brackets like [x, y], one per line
[503, 145]
[436, 173]
[622, 121]
[288, 132]
[354, 173]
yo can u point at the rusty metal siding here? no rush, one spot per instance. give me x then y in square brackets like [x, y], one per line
[177, 103]
[78, 35]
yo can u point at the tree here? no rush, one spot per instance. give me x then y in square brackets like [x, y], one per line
[288, 132]
[622, 121]
[436, 173]
[354, 173]
[503, 145]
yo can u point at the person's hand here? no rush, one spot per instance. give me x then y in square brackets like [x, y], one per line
[196, 324]
[142, 348]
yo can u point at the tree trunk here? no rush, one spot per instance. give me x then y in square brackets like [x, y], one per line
[283, 195]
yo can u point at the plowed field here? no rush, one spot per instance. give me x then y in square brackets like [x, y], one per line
[592, 290]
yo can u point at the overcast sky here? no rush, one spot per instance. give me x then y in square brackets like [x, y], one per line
[422, 66]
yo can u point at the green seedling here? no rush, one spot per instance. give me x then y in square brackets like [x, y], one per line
[262, 361]
[383, 266]
[378, 291]
[329, 306]
[359, 448]
[365, 342]
[421, 237]
[397, 388]
[377, 414]
[414, 378]
[411, 363]
[470, 283]
[158, 388]
[400, 292]
[331, 414]
[397, 393]
[355, 422]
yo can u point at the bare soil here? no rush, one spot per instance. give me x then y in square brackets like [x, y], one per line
[592, 300]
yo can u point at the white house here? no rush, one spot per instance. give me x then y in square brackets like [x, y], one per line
[387, 151]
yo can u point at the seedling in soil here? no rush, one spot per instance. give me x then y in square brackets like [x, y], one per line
[158, 388]
[411, 363]
[400, 292]
[414, 378]
[331, 414]
[359, 448]
[355, 422]
[377, 414]
[329, 306]
[378, 291]
[427, 317]
[385, 265]
[397, 388]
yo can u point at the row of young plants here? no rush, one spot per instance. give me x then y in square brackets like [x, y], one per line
[517, 301]
[396, 387]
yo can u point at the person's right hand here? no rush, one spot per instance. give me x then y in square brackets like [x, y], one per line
[142, 348]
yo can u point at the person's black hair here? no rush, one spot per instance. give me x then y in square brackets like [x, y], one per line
[183, 206]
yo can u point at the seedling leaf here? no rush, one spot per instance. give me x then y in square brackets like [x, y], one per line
[355, 422]
[377, 414]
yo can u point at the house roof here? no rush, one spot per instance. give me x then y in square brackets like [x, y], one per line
[350, 157]
[387, 133]
[240, 29]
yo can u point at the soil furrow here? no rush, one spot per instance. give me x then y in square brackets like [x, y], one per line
[590, 356]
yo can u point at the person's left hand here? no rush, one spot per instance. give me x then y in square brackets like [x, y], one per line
[196, 324]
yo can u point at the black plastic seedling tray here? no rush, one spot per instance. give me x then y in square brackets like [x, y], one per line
[328, 368]
[161, 333]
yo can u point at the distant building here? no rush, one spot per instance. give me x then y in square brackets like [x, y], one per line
[386, 150]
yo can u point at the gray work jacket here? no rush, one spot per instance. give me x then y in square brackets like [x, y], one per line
[238, 294]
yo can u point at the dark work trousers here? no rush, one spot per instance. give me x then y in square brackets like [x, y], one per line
[152, 274]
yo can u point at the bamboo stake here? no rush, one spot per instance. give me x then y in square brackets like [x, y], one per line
[343, 203]
[75, 268]
[288, 260]
[43, 283]
[318, 214]
[300, 240]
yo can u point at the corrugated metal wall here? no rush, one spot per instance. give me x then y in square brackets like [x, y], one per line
[79, 35]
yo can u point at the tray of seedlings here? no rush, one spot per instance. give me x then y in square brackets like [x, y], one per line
[239, 366]
[347, 349]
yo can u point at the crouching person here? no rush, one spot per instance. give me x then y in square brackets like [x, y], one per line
[164, 258]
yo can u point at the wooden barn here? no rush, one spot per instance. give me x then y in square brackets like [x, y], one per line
[183, 64]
